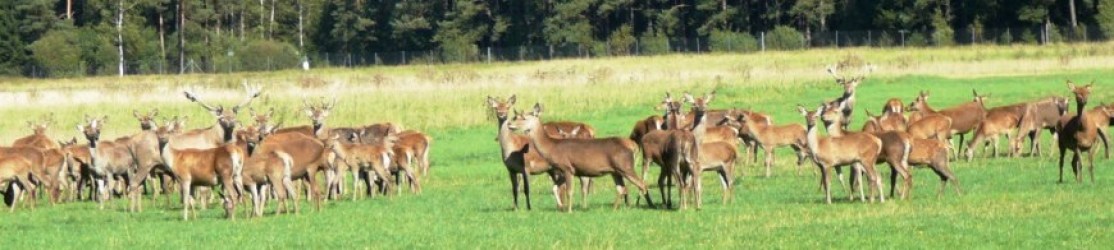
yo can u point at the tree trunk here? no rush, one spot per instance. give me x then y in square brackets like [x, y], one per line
[301, 36]
[1071, 7]
[119, 34]
[262, 19]
[181, 37]
[162, 37]
[271, 25]
[241, 21]
[69, 9]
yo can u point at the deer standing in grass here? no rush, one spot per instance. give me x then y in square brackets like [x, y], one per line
[922, 152]
[998, 121]
[1078, 134]
[17, 173]
[53, 156]
[965, 117]
[583, 157]
[771, 137]
[204, 167]
[371, 160]
[1042, 114]
[666, 147]
[109, 158]
[859, 150]
[219, 134]
[689, 143]
[848, 98]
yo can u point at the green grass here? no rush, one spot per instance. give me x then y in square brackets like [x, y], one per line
[1008, 203]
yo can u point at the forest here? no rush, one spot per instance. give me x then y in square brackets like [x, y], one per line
[65, 38]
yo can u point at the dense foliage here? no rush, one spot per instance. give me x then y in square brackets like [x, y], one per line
[175, 34]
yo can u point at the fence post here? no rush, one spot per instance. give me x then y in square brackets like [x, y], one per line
[762, 39]
[403, 57]
[488, 54]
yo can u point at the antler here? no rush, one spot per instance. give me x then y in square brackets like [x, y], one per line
[193, 98]
[253, 92]
[832, 71]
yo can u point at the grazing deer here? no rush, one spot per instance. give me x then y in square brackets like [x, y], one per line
[583, 157]
[965, 117]
[848, 97]
[371, 160]
[857, 149]
[771, 137]
[998, 121]
[1079, 133]
[214, 136]
[204, 167]
[934, 154]
[109, 158]
[1042, 114]
[17, 172]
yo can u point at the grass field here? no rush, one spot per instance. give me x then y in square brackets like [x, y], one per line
[1008, 203]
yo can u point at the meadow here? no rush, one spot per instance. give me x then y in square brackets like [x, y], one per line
[1007, 202]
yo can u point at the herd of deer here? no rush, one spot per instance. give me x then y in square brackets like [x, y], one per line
[260, 159]
[687, 144]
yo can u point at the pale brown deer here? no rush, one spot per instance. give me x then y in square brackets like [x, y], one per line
[219, 134]
[998, 121]
[305, 155]
[888, 121]
[583, 157]
[204, 167]
[860, 150]
[412, 147]
[38, 137]
[965, 117]
[371, 160]
[109, 159]
[688, 143]
[517, 154]
[896, 148]
[1042, 114]
[1079, 134]
[667, 146]
[770, 137]
[17, 173]
[931, 126]
[934, 154]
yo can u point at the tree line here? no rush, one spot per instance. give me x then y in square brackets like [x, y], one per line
[83, 37]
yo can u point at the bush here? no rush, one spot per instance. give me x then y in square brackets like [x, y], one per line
[784, 38]
[267, 55]
[942, 33]
[621, 41]
[885, 40]
[1005, 38]
[653, 44]
[724, 41]
[73, 52]
[1028, 37]
[916, 39]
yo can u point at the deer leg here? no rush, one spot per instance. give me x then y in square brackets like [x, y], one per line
[1062, 151]
[663, 188]
[187, 198]
[585, 184]
[16, 192]
[893, 180]
[1075, 165]
[102, 192]
[1105, 147]
[514, 188]
[769, 159]
[620, 191]
[800, 158]
[525, 190]
[825, 182]
[1091, 163]
[726, 182]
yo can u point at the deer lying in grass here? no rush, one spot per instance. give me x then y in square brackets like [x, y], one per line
[204, 167]
[860, 150]
[965, 117]
[848, 98]
[583, 157]
[17, 173]
[771, 137]
[1042, 114]
[1079, 133]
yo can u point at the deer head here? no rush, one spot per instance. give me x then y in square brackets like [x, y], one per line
[146, 121]
[226, 117]
[831, 114]
[91, 129]
[527, 122]
[810, 116]
[1081, 93]
[850, 83]
[168, 129]
[251, 136]
[318, 113]
[262, 120]
[981, 99]
[894, 106]
[501, 108]
[920, 102]
[1061, 105]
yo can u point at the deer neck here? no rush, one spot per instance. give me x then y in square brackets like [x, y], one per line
[317, 128]
[1080, 108]
[506, 139]
[167, 155]
[835, 129]
[812, 140]
[541, 142]
[699, 127]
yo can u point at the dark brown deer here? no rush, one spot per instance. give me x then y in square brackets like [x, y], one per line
[896, 148]
[583, 157]
[667, 147]
[965, 117]
[1078, 134]
[860, 150]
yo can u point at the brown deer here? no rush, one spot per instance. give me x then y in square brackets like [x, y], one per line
[771, 137]
[934, 154]
[518, 155]
[887, 121]
[583, 157]
[1042, 114]
[896, 149]
[372, 160]
[688, 143]
[931, 126]
[109, 158]
[667, 146]
[998, 121]
[144, 152]
[412, 147]
[965, 117]
[303, 158]
[17, 173]
[857, 149]
[214, 136]
[38, 138]
[204, 167]
[848, 98]
[1078, 134]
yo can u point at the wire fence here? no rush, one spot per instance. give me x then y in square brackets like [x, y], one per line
[728, 42]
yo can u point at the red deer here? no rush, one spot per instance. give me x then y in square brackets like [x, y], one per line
[369, 159]
[848, 98]
[38, 139]
[204, 167]
[1043, 114]
[860, 150]
[412, 147]
[715, 132]
[109, 158]
[583, 157]
[888, 121]
[896, 148]
[688, 143]
[17, 172]
[770, 137]
[214, 136]
[666, 147]
[934, 154]
[965, 117]
[998, 121]
[932, 126]
[303, 157]
[1078, 134]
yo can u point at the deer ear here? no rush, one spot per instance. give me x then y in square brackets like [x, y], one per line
[537, 109]
[802, 109]
[708, 97]
[1071, 85]
[688, 98]
[135, 113]
[490, 101]
[512, 99]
